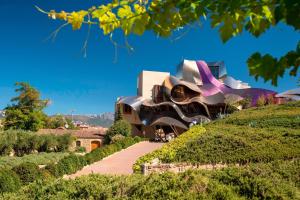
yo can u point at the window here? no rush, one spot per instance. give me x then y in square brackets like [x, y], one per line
[215, 71]
[78, 143]
[126, 109]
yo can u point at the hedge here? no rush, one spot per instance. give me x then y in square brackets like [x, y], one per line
[253, 135]
[276, 180]
[168, 152]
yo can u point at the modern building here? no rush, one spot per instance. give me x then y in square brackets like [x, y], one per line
[199, 92]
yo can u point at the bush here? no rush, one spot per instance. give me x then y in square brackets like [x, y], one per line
[53, 169]
[255, 135]
[70, 164]
[80, 149]
[9, 181]
[261, 101]
[117, 138]
[28, 172]
[168, 152]
[120, 127]
[38, 159]
[64, 141]
[259, 181]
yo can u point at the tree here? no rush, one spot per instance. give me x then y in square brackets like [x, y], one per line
[120, 127]
[26, 111]
[118, 114]
[166, 16]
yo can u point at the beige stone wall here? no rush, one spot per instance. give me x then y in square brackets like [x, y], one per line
[86, 143]
[146, 81]
[178, 167]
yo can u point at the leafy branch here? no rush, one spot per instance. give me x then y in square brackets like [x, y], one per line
[163, 17]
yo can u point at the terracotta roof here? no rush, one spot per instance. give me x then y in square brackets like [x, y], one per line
[94, 133]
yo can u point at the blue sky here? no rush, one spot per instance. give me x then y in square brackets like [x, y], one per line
[92, 84]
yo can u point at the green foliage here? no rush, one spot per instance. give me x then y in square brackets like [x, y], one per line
[118, 114]
[120, 127]
[261, 101]
[55, 122]
[23, 142]
[28, 172]
[38, 159]
[70, 164]
[58, 121]
[27, 112]
[276, 180]
[169, 151]
[276, 67]
[117, 138]
[80, 149]
[9, 181]
[164, 17]
[262, 134]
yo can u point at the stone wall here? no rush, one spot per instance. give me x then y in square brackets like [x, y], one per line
[156, 167]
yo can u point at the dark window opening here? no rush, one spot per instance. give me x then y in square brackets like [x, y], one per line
[158, 94]
[127, 109]
[181, 93]
[138, 127]
[215, 70]
[78, 143]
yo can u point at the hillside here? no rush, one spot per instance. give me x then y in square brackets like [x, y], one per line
[104, 120]
[254, 135]
[261, 147]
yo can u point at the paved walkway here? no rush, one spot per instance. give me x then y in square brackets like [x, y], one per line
[120, 162]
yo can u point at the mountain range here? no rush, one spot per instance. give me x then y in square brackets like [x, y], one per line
[104, 120]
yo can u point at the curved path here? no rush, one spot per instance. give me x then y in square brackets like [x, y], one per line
[119, 163]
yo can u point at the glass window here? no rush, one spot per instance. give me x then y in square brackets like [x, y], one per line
[215, 71]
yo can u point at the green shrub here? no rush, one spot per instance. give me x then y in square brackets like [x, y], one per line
[168, 152]
[9, 181]
[80, 149]
[64, 141]
[53, 169]
[48, 143]
[39, 159]
[69, 165]
[28, 172]
[261, 101]
[117, 138]
[120, 127]
[254, 135]
[256, 181]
